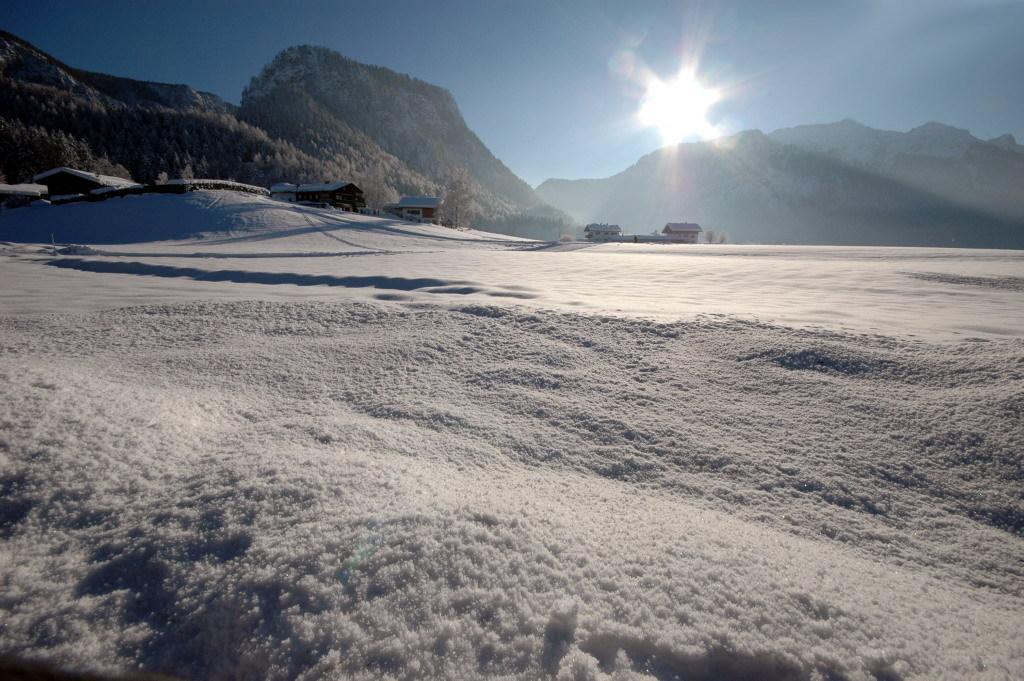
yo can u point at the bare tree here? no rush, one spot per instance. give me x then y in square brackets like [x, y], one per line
[376, 190]
[457, 204]
[162, 177]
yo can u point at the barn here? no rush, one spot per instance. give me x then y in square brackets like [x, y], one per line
[72, 182]
[682, 232]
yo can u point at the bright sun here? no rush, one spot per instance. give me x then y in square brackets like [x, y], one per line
[678, 108]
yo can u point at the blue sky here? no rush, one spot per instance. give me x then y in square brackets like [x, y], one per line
[542, 83]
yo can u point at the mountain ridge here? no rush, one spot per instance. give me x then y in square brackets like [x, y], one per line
[21, 60]
[290, 126]
[831, 183]
[407, 118]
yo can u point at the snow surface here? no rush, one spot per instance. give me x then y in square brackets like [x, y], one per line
[243, 217]
[421, 453]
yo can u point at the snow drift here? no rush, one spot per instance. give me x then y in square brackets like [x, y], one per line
[306, 491]
[321, 445]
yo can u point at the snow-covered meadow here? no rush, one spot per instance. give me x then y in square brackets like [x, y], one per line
[357, 448]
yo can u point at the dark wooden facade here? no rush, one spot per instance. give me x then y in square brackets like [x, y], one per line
[62, 184]
[71, 181]
[347, 196]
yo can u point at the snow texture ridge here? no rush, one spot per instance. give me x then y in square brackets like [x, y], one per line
[378, 490]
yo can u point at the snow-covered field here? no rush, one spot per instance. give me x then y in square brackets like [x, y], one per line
[358, 448]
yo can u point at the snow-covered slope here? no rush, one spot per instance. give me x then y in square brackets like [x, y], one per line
[256, 247]
[219, 214]
[322, 446]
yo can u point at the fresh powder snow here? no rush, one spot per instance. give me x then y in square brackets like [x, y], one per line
[314, 444]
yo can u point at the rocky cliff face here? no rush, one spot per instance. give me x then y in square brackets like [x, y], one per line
[368, 111]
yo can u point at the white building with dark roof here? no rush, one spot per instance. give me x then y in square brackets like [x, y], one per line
[682, 232]
[599, 231]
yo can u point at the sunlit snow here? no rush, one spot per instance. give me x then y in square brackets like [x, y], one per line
[330, 446]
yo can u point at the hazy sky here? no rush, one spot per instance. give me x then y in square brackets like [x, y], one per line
[545, 84]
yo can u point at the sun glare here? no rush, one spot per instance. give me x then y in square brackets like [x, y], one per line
[678, 108]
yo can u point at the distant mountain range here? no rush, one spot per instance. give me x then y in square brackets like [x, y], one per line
[310, 115]
[840, 183]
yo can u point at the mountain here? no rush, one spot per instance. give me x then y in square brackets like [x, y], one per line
[1008, 142]
[309, 115]
[23, 62]
[52, 114]
[353, 103]
[946, 161]
[842, 183]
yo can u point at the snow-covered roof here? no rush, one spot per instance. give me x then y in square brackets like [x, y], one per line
[289, 188]
[107, 190]
[601, 227]
[105, 180]
[323, 187]
[418, 202]
[23, 189]
[681, 227]
[210, 183]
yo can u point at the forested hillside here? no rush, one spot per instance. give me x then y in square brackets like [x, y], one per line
[392, 134]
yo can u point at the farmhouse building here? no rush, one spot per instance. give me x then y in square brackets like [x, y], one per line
[71, 182]
[415, 207]
[342, 194]
[602, 232]
[284, 191]
[682, 232]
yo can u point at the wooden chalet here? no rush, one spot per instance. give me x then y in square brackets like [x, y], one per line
[416, 207]
[284, 191]
[63, 182]
[344, 195]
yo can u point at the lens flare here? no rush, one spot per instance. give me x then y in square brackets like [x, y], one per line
[678, 108]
